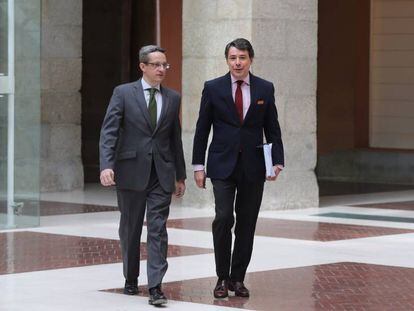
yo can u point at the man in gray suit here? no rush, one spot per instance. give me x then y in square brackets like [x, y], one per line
[141, 152]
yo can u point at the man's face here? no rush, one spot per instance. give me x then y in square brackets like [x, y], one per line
[239, 63]
[155, 69]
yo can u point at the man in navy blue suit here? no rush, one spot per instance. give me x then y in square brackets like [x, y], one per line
[240, 107]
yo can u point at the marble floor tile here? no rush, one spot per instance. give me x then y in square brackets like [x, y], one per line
[301, 260]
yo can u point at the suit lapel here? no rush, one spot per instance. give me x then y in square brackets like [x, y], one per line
[253, 97]
[142, 103]
[164, 108]
[229, 99]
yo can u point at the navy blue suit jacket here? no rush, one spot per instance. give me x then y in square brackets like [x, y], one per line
[217, 109]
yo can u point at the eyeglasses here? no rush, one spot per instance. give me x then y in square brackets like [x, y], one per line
[159, 65]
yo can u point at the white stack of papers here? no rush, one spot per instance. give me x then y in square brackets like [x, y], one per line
[267, 151]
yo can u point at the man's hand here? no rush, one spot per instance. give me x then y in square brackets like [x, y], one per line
[200, 179]
[107, 177]
[277, 170]
[179, 188]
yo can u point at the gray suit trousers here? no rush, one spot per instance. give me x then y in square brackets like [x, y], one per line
[132, 205]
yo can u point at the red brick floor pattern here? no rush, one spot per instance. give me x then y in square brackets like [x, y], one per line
[32, 251]
[407, 205]
[339, 286]
[48, 208]
[292, 229]
[63, 208]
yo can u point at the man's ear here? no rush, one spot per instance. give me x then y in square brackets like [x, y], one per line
[141, 66]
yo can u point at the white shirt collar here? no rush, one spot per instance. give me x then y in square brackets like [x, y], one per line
[246, 80]
[146, 85]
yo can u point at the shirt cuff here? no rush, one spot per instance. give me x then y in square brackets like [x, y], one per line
[198, 167]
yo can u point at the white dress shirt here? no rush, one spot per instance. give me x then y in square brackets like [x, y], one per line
[245, 87]
[158, 96]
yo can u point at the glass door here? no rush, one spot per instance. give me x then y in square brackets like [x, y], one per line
[19, 112]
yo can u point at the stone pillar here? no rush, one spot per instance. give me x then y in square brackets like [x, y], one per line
[284, 36]
[61, 63]
[26, 102]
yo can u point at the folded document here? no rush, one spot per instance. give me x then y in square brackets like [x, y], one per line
[267, 151]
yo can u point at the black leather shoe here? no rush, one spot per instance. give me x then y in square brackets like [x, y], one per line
[131, 288]
[156, 296]
[221, 290]
[239, 289]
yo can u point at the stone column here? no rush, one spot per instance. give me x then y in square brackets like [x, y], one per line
[285, 39]
[284, 35]
[61, 63]
[26, 102]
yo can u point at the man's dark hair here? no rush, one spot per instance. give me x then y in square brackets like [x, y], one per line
[148, 49]
[240, 44]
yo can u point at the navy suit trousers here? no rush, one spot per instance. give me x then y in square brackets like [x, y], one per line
[240, 195]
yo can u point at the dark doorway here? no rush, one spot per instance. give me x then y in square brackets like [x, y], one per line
[346, 163]
[113, 32]
[343, 75]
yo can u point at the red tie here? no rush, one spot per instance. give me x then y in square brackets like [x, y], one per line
[238, 99]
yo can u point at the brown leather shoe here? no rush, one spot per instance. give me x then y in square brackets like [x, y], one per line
[222, 289]
[239, 289]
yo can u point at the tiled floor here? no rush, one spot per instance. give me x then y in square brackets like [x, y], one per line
[292, 229]
[302, 260]
[409, 206]
[34, 251]
[47, 208]
[339, 286]
[329, 187]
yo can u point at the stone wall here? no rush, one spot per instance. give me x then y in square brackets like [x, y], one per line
[367, 166]
[61, 65]
[284, 35]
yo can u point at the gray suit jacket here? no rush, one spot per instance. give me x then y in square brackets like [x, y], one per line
[128, 144]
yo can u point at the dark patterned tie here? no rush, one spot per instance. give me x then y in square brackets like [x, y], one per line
[152, 107]
[238, 99]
